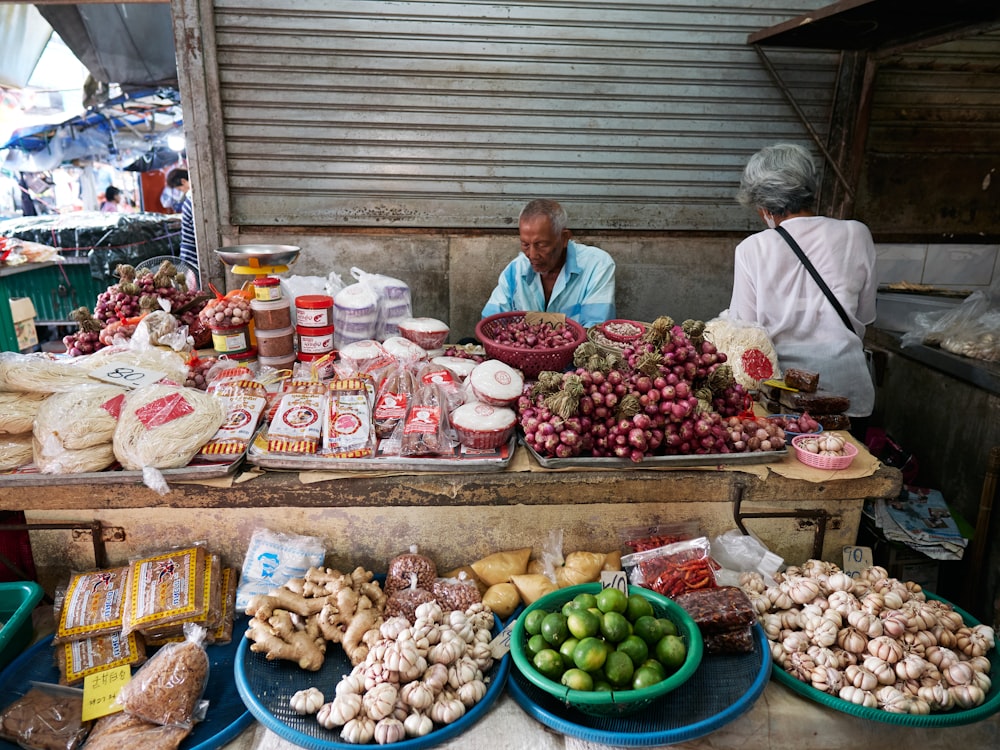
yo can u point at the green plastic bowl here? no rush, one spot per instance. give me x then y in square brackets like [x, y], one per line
[17, 600]
[617, 702]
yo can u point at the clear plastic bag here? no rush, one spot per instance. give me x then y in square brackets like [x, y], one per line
[673, 569]
[394, 301]
[739, 553]
[970, 329]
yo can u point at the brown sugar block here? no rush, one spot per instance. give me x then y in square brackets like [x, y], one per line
[802, 380]
[46, 720]
[820, 402]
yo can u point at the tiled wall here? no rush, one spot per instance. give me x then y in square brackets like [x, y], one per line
[972, 267]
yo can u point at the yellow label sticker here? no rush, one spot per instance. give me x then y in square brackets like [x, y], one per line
[780, 384]
[100, 691]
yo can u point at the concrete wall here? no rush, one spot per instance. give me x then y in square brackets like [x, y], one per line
[451, 275]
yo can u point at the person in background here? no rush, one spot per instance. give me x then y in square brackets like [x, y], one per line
[189, 248]
[177, 187]
[115, 201]
[773, 289]
[554, 273]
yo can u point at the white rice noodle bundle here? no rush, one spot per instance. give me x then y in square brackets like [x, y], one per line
[49, 459]
[17, 411]
[164, 426]
[735, 338]
[170, 363]
[15, 450]
[79, 419]
[40, 373]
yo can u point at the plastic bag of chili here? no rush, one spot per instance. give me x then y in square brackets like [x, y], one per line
[673, 569]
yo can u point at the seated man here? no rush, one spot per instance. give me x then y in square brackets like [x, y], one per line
[554, 273]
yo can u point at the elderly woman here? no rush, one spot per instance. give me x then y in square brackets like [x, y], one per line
[773, 287]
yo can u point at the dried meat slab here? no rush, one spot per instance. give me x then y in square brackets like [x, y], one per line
[820, 402]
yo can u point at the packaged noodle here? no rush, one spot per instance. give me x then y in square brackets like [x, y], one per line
[244, 402]
[78, 419]
[18, 410]
[39, 373]
[166, 589]
[15, 450]
[164, 426]
[297, 425]
[77, 659]
[348, 431]
[91, 604]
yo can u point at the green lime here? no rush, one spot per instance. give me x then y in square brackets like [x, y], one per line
[653, 664]
[671, 652]
[645, 676]
[638, 606]
[602, 686]
[668, 625]
[649, 629]
[566, 650]
[549, 663]
[590, 654]
[611, 600]
[614, 627]
[533, 621]
[554, 628]
[582, 623]
[535, 644]
[619, 669]
[577, 679]
[587, 601]
[636, 649]
[569, 607]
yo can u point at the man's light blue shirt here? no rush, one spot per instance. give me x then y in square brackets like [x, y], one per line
[584, 289]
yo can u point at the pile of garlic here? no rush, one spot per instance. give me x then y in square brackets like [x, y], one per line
[415, 676]
[872, 640]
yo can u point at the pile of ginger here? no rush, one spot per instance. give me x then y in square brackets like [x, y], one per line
[295, 621]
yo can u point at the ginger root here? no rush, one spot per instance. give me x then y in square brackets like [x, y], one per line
[296, 621]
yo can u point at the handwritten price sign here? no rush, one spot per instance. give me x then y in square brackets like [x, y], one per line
[127, 376]
[857, 559]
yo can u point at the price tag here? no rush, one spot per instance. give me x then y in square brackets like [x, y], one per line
[533, 318]
[857, 559]
[614, 579]
[127, 376]
[500, 645]
[100, 692]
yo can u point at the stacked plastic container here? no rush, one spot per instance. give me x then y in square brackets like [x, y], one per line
[314, 327]
[272, 321]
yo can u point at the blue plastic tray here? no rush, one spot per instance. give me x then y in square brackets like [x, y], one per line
[267, 687]
[724, 687]
[226, 718]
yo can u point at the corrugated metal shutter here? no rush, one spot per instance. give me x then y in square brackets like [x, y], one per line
[635, 114]
[932, 141]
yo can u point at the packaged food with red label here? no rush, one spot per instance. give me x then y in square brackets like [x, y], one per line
[426, 430]
[348, 431]
[392, 398]
[245, 402]
[297, 426]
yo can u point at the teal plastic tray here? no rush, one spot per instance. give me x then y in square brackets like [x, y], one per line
[17, 600]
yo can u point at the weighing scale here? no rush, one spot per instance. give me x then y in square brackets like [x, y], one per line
[258, 260]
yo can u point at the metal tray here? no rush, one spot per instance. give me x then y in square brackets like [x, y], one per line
[226, 717]
[189, 473]
[654, 462]
[258, 455]
[267, 686]
[724, 687]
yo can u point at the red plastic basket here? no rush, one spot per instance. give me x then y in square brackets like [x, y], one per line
[529, 361]
[608, 329]
[823, 462]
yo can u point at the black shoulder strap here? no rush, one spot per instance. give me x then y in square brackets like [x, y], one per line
[816, 277]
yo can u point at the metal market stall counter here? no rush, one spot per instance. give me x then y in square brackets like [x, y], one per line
[368, 517]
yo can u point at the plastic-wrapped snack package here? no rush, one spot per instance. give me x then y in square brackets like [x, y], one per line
[273, 559]
[167, 689]
[355, 314]
[427, 430]
[402, 566]
[47, 716]
[122, 730]
[460, 592]
[297, 425]
[366, 357]
[392, 398]
[77, 659]
[166, 588]
[348, 430]
[404, 602]
[207, 616]
[673, 569]
[92, 603]
[244, 402]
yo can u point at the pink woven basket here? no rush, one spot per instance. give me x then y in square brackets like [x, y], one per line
[529, 361]
[823, 462]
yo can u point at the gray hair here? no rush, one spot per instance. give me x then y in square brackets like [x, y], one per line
[550, 209]
[781, 179]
